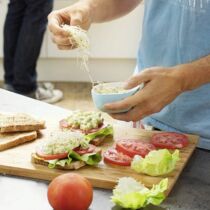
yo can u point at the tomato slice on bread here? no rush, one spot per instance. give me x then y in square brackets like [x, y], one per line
[112, 156]
[64, 124]
[82, 151]
[169, 140]
[79, 150]
[41, 154]
[132, 147]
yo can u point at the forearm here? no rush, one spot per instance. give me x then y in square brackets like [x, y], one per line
[195, 74]
[106, 10]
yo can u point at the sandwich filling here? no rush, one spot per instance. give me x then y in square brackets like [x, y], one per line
[64, 147]
[89, 123]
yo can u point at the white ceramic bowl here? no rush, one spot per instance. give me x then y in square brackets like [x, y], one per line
[100, 97]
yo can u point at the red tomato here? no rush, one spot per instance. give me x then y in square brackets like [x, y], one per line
[134, 147]
[170, 140]
[63, 123]
[70, 192]
[82, 151]
[114, 157]
[41, 154]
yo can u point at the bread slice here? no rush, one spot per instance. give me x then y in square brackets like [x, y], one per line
[98, 140]
[19, 122]
[13, 139]
[74, 165]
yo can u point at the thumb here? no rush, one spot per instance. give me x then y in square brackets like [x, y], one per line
[137, 79]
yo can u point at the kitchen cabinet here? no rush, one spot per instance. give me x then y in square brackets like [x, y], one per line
[3, 9]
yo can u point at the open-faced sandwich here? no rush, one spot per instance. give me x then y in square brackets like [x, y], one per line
[66, 150]
[89, 123]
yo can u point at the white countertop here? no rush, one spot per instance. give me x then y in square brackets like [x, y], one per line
[191, 191]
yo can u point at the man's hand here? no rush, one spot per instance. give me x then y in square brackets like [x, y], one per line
[75, 15]
[162, 86]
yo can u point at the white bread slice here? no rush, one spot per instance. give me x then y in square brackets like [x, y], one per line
[19, 122]
[13, 139]
[74, 165]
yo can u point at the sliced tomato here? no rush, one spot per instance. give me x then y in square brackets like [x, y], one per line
[170, 140]
[112, 156]
[41, 154]
[132, 147]
[82, 151]
[93, 130]
[63, 123]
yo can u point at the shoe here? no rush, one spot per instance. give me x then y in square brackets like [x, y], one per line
[45, 92]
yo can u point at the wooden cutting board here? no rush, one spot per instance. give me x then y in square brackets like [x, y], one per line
[17, 161]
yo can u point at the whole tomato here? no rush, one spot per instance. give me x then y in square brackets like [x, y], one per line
[70, 192]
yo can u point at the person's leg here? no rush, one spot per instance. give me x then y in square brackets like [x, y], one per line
[29, 44]
[12, 27]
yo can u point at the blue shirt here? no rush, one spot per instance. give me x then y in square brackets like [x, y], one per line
[177, 32]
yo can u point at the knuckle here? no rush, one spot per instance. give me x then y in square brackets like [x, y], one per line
[149, 107]
[152, 108]
[157, 109]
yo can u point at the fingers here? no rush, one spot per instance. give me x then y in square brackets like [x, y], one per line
[59, 40]
[54, 24]
[132, 115]
[120, 105]
[127, 103]
[142, 77]
[59, 36]
[65, 47]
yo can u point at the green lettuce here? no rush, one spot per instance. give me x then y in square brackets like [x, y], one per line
[156, 163]
[106, 131]
[89, 159]
[133, 195]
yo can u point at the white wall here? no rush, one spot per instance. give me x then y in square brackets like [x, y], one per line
[113, 50]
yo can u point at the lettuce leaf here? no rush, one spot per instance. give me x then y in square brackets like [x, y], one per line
[133, 195]
[156, 163]
[108, 130]
[89, 159]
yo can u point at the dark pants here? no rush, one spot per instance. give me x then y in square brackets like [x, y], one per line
[23, 34]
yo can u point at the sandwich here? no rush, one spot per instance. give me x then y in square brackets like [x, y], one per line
[66, 150]
[19, 122]
[91, 124]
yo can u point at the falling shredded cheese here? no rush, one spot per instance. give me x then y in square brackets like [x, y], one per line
[79, 38]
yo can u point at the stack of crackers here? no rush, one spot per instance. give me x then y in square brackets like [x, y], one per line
[16, 129]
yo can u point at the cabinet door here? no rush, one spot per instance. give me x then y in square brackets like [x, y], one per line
[115, 39]
[3, 9]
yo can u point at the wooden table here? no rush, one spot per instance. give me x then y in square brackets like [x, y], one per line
[16, 103]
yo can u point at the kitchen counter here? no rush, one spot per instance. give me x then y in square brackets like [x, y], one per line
[191, 191]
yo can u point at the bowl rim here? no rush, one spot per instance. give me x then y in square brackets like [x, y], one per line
[133, 90]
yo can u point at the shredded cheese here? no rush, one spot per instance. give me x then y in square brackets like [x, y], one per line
[79, 38]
